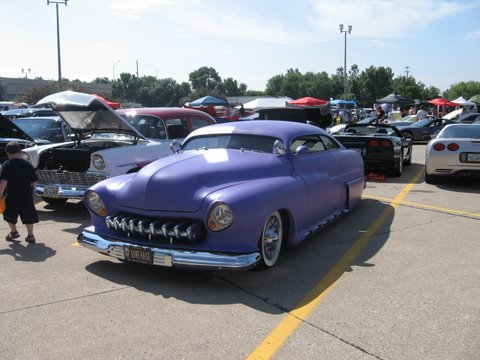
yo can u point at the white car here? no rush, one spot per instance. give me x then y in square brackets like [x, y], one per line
[106, 143]
[454, 152]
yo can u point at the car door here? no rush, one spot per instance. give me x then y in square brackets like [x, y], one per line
[316, 163]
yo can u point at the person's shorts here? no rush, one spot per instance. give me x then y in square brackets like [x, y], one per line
[26, 210]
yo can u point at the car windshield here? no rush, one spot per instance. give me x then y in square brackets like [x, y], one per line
[42, 129]
[148, 125]
[231, 141]
[469, 132]
[370, 130]
[421, 123]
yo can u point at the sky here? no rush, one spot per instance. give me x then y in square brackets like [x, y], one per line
[436, 42]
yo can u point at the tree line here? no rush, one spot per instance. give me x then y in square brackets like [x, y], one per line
[363, 86]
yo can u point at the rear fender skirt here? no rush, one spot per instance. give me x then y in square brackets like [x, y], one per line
[354, 190]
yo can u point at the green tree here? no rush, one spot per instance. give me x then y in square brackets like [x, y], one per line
[126, 87]
[375, 83]
[102, 80]
[467, 89]
[205, 78]
[230, 87]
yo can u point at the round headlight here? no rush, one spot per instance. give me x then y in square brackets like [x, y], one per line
[98, 162]
[95, 203]
[221, 217]
[26, 156]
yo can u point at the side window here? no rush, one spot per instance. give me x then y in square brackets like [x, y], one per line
[312, 142]
[329, 142]
[199, 123]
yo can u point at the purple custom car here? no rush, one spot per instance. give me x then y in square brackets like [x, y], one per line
[229, 198]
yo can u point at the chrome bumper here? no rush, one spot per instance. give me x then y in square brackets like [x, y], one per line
[63, 192]
[172, 258]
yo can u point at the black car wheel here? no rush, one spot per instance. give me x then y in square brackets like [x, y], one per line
[271, 241]
[407, 135]
[398, 168]
[431, 179]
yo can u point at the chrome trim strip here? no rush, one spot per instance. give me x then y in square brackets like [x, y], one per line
[172, 258]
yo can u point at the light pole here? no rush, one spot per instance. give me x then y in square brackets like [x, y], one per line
[114, 65]
[64, 2]
[349, 30]
[26, 72]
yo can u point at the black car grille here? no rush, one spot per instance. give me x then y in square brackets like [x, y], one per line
[138, 228]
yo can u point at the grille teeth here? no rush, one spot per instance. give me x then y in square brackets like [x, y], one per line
[154, 229]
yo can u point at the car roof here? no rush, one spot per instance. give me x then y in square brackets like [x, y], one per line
[275, 128]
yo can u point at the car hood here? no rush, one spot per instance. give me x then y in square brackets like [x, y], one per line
[181, 182]
[10, 132]
[86, 113]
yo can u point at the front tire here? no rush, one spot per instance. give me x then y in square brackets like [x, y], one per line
[271, 241]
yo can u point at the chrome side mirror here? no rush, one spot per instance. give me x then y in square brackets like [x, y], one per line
[279, 148]
[176, 146]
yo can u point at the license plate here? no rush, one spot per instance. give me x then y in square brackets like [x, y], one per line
[473, 157]
[139, 255]
[50, 191]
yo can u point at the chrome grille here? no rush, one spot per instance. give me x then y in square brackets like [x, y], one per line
[67, 177]
[156, 229]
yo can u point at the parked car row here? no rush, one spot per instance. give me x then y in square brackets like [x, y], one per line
[169, 187]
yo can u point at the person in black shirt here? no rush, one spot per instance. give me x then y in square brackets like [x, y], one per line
[18, 179]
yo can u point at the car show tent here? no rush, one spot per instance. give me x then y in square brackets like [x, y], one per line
[307, 101]
[265, 103]
[463, 102]
[209, 100]
[395, 99]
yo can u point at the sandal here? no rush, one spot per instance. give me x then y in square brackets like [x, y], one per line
[30, 239]
[12, 235]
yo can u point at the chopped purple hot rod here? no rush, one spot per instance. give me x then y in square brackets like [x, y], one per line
[228, 198]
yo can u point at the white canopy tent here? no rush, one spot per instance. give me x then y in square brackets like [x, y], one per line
[463, 102]
[266, 103]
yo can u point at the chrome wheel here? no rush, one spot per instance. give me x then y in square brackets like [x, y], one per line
[271, 241]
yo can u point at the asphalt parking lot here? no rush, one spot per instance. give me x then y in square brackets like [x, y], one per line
[398, 278]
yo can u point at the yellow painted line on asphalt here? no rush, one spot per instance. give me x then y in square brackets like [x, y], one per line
[424, 206]
[302, 310]
[75, 244]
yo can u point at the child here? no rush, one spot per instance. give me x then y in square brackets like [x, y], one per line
[18, 178]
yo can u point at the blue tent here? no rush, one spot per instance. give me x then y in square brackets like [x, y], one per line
[209, 100]
[343, 102]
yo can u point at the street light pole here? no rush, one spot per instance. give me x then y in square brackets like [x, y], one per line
[348, 30]
[63, 2]
[114, 65]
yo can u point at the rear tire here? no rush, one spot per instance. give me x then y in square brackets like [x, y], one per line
[431, 179]
[397, 170]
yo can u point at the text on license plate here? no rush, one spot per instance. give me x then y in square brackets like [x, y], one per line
[139, 255]
[473, 157]
[50, 191]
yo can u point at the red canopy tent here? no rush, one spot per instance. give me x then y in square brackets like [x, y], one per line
[442, 102]
[113, 105]
[308, 101]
